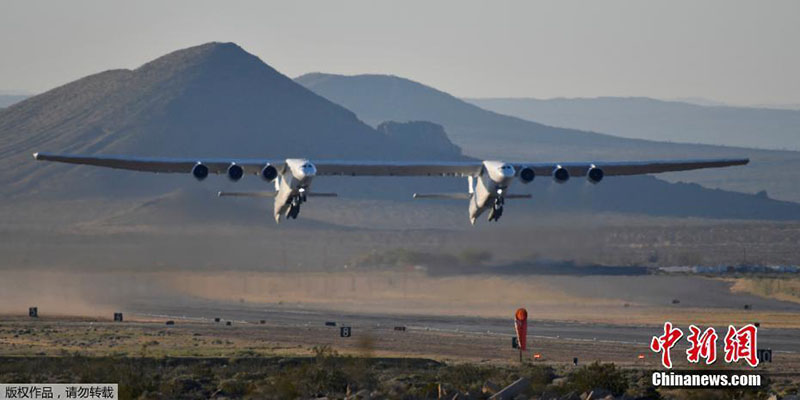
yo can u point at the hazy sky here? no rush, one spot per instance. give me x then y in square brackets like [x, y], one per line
[744, 52]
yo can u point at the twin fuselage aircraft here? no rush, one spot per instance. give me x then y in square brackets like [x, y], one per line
[488, 181]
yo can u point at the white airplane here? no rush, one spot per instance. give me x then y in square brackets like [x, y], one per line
[488, 181]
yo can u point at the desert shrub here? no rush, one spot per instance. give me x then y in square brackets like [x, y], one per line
[281, 387]
[428, 390]
[642, 386]
[307, 380]
[235, 387]
[540, 376]
[322, 378]
[716, 394]
[465, 377]
[598, 376]
[182, 386]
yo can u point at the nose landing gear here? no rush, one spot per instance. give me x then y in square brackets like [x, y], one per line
[497, 209]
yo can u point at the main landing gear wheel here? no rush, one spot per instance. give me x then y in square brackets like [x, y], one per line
[294, 207]
[293, 212]
[497, 210]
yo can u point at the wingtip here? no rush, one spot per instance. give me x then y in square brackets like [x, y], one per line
[219, 194]
[36, 155]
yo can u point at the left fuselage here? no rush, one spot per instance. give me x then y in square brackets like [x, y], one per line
[491, 186]
[292, 185]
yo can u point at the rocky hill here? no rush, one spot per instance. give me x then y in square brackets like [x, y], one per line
[209, 100]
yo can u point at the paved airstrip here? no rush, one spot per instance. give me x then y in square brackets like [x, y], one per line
[779, 340]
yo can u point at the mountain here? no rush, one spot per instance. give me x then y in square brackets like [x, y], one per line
[9, 99]
[377, 98]
[779, 106]
[213, 100]
[486, 134]
[674, 121]
[700, 101]
[421, 133]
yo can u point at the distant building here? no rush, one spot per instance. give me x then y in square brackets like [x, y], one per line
[724, 269]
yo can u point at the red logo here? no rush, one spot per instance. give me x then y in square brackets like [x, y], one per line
[704, 345]
[741, 344]
[665, 342]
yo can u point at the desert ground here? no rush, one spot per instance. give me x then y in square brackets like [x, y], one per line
[434, 355]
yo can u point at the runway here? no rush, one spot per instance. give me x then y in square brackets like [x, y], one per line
[779, 340]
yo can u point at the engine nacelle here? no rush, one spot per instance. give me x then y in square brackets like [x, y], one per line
[235, 172]
[269, 173]
[200, 171]
[526, 175]
[560, 174]
[594, 175]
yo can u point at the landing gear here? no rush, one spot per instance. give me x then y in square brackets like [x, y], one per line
[294, 206]
[293, 212]
[495, 213]
[497, 209]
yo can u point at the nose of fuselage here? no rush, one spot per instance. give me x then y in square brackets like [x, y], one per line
[505, 174]
[305, 171]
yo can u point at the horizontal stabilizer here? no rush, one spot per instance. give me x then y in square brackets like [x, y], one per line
[247, 194]
[318, 194]
[451, 196]
[271, 194]
[463, 196]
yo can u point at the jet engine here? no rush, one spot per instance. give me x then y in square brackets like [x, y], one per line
[594, 175]
[526, 175]
[560, 174]
[269, 173]
[235, 172]
[200, 171]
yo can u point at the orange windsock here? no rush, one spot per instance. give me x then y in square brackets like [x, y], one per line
[521, 326]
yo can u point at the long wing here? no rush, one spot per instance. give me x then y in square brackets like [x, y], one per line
[253, 166]
[632, 167]
[357, 168]
[398, 168]
[161, 165]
